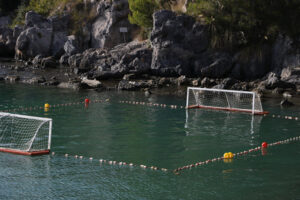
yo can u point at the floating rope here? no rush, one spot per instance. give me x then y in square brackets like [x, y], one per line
[112, 162]
[87, 102]
[153, 104]
[48, 106]
[285, 117]
[242, 153]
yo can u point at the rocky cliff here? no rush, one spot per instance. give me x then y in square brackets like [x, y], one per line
[178, 47]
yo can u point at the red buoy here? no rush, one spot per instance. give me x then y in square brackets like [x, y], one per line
[86, 101]
[264, 145]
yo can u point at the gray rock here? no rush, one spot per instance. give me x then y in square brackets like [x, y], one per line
[46, 37]
[206, 82]
[111, 16]
[35, 80]
[5, 21]
[74, 61]
[196, 82]
[60, 23]
[228, 82]
[33, 19]
[58, 43]
[50, 83]
[49, 62]
[218, 69]
[71, 46]
[291, 75]
[17, 31]
[251, 65]
[273, 82]
[219, 86]
[12, 78]
[69, 85]
[131, 58]
[164, 81]
[64, 59]
[286, 103]
[181, 80]
[128, 77]
[34, 41]
[171, 39]
[37, 60]
[134, 85]
[87, 83]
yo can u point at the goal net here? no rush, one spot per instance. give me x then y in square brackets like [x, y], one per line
[229, 100]
[25, 135]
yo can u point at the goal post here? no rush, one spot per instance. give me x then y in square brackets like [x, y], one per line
[25, 135]
[228, 100]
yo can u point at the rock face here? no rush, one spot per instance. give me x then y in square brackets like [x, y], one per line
[34, 41]
[5, 21]
[251, 64]
[71, 46]
[7, 42]
[111, 16]
[42, 36]
[171, 39]
[134, 57]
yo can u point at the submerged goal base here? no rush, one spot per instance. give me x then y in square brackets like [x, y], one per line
[228, 109]
[25, 153]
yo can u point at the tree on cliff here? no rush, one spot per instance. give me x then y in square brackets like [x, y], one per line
[141, 12]
[255, 20]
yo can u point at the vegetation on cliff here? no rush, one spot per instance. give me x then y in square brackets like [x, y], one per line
[255, 21]
[141, 12]
[232, 22]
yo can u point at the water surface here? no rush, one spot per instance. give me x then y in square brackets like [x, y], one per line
[150, 136]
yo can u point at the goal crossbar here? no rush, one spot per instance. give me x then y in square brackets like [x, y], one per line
[226, 100]
[25, 135]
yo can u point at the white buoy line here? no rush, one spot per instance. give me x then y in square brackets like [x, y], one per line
[112, 162]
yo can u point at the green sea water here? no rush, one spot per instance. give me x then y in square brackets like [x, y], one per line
[166, 138]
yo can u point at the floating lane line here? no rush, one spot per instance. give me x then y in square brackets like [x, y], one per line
[263, 147]
[112, 162]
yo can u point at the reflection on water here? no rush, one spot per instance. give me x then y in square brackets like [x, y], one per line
[230, 122]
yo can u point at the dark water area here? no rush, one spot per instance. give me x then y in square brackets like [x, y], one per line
[166, 138]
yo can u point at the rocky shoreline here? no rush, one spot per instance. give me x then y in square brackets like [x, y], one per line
[176, 54]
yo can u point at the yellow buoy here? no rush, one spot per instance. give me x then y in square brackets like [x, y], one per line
[230, 155]
[225, 156]
[47, 105]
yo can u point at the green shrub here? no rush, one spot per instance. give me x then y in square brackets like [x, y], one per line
[141, 12]
[258, 20]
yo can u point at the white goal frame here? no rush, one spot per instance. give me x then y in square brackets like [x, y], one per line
[29, 150]
[255, 109]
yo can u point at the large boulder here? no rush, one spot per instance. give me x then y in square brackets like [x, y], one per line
[176, 41]
[111, 16]
[33, 19]
[34, 41]
[273, 81]
[40, 35]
